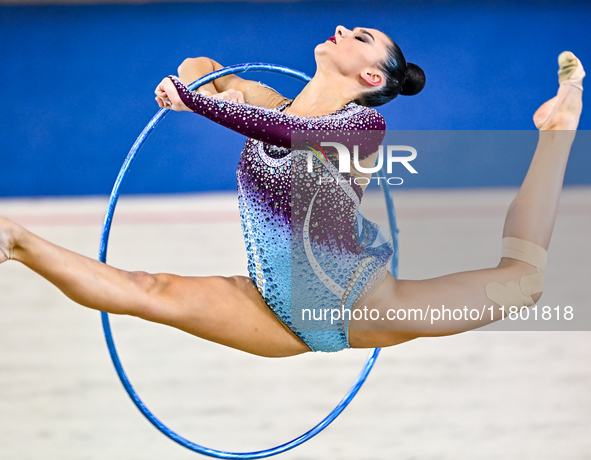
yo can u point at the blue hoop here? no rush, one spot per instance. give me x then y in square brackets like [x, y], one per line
[105, 317]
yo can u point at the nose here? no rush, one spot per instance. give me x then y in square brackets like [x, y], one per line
[341, 32]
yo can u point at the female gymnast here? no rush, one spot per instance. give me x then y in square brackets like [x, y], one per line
[341, 263]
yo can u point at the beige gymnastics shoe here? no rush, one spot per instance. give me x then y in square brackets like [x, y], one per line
[563, 110]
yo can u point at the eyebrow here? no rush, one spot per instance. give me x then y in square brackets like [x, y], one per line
[366, 32]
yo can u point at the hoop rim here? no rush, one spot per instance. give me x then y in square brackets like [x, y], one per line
[105, 233]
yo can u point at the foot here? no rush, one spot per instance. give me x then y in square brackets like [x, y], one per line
[564, 110]
[7, 239]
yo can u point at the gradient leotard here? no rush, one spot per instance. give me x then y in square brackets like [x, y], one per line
[310, 251]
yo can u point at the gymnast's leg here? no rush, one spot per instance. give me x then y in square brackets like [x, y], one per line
[530, 218]
[229, 311]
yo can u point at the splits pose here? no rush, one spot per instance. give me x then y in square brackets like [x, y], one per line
[308, 245]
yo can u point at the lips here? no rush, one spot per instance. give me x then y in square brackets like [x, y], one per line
[332, 39]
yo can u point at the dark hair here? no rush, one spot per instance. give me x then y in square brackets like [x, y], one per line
[401, 78]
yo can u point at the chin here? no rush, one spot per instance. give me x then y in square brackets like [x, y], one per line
[322, 51]
[319, 55]
[319, 48]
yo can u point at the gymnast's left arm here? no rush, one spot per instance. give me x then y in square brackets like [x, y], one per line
[267, 125]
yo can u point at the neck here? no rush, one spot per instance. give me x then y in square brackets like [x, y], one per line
[322, 95]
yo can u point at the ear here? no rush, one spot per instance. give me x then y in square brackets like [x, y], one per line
[371, 77]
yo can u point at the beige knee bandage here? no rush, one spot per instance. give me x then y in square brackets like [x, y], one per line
[512, 293]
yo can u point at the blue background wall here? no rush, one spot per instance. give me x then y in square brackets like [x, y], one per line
[78, 81]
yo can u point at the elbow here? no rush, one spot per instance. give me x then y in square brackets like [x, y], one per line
[190, 63]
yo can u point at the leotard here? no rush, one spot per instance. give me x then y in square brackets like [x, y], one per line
[311, 253]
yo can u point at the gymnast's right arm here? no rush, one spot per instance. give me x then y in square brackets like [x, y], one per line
[234, 88]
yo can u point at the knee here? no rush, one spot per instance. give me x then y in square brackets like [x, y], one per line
[527, 260]
[151, 284]
[524, 287]
[147, 299]
[242, 284]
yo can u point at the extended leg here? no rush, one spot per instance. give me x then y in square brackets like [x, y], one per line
[530, 219]
[229, 311]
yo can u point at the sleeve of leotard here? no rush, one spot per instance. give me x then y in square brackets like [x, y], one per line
[271, 125]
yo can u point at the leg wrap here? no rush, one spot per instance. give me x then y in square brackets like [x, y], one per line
[519, 294]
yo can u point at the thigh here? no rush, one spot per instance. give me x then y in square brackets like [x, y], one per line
[226, 310]
[406, 309]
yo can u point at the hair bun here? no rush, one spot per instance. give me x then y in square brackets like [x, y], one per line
[415, 80]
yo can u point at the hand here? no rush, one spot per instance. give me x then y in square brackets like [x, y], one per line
[208, 89]
[204, 91]
[168, 97]
[231, 95]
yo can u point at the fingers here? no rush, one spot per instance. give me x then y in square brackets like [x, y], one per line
[163, 103]
[161, 96]
[168, 97]
[231, 95]
[160, 102]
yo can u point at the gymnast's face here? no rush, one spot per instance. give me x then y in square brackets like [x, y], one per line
[355, 53]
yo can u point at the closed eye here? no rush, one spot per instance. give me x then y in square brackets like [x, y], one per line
[361, 39]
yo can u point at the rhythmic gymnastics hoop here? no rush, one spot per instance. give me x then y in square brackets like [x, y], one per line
[105, 316]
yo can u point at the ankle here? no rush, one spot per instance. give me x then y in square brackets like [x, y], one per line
[567, 122]
[556, 139]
